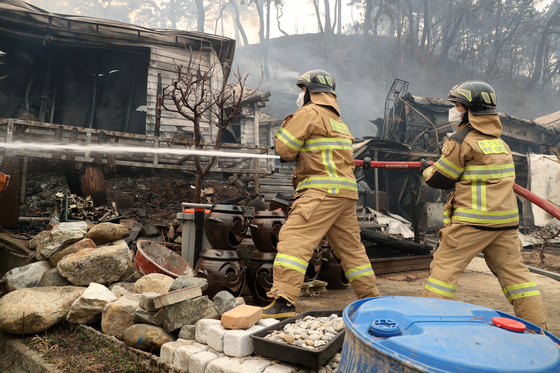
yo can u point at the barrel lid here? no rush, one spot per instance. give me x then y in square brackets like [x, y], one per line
[509, 324]
[439, 335]
[384, 328]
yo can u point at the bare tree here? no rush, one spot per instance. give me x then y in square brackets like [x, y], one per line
[196, 99]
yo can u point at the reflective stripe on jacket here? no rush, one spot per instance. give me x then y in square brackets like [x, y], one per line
[480, 170]
[321, 143]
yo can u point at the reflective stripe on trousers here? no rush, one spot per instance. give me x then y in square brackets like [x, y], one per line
[440, 287]
[527, 289]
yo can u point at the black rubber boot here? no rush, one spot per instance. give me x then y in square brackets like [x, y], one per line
[280, 308]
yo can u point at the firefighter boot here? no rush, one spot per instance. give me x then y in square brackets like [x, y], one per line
[280, 308]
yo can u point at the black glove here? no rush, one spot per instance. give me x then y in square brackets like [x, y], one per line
[424, 164]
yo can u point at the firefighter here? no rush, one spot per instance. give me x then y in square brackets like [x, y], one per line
[480, 214]
[326, 194]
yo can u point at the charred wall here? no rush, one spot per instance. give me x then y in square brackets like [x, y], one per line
[83, 86]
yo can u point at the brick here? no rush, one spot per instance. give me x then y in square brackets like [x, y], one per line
[280, 368]
[168, 350]
[147, 301]
[183, 355]
[267, 322]
[242, 317]
[199, 362]
[201, 334]
[187, 332]
[215, 337]
[177, 296]
[237, 343]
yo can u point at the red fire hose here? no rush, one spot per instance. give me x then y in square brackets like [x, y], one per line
[366, 164]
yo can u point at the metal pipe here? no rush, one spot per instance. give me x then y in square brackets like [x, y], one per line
[376, 177]
[528, 195]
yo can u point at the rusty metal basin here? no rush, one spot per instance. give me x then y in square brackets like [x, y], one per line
[152, 257]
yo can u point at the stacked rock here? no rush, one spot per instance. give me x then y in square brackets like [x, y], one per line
[309, 332]
[225, 227]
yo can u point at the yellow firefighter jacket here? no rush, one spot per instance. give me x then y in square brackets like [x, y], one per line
[479, 167]
[321, 144]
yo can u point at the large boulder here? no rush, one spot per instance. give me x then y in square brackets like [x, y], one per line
[88, 307]
[27, 276]
[117, 316]
[153, 282]
[105, 232]
[102, 265]
[30, 311]
[146, 337]
[86, 243]
[189, 311]
[53, 278]
[60, 236]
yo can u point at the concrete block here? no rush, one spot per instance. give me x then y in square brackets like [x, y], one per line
[222, 365]
[199, 362]
[177, 296]
[183, 354]
[215, 338]
[188, 332]
[168, 350]
[251, 365]
[147, 301]
[201, 334]
[280, 368]
[217, 353]
[242, 317]
[267, 322]
[237, 343]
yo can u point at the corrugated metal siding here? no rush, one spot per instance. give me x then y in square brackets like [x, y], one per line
[163, 60]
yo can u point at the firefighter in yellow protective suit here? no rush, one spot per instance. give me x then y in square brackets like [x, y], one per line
[480, 215]
[326, 194]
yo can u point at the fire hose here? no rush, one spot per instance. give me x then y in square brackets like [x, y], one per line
[367, 163]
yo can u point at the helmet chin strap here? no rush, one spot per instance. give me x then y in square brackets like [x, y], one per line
[307, 97]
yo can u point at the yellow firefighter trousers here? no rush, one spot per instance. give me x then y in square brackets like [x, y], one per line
[459, 244]
[314, 215]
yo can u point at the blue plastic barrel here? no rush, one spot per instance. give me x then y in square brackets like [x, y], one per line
[411, 334]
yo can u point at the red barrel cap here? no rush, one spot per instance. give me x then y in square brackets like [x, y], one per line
[509, 324]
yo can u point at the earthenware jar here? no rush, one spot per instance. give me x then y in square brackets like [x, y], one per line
[225, 227]
[315, 264]
[279, 203]
[331, 270]
[223, 269]
[259, 275]
[265, 228]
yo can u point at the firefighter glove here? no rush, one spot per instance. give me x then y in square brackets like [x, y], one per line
[424, 164]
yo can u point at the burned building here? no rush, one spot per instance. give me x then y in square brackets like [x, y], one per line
[97, 73]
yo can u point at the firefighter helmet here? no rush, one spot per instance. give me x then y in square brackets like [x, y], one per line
[478, 97]
[317, 81]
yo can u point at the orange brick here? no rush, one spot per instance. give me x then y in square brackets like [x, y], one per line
[241, 317]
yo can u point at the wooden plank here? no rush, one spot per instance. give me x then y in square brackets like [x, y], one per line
[400, 264]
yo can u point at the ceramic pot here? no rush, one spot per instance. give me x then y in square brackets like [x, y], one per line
[259, 275]
[331, 271]
[265, 228]
[315, 264]
[225, 227]
[223, 269]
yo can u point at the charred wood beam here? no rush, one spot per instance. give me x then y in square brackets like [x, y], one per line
[393, 243]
